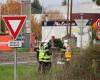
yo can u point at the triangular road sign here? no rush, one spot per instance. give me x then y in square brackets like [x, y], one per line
[14, 24]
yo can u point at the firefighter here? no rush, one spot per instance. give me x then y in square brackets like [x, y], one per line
[66, 55]
[44, 59]
[40, 57]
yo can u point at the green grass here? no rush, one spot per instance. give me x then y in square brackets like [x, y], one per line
[27, 72]
[30, 72]
[6, 72]
[21, 50]
[24, 72]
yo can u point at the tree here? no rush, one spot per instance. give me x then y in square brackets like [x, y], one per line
[57, 43]
[36, 27]
[53, 15]
[97, 2]
[12, 7]
[64, 3]
[36, 7]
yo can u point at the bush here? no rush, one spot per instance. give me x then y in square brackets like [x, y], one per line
[98, 2]
[57, 43]
[84, 67]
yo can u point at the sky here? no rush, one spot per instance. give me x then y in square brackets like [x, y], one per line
[48, 3]
[54, 2]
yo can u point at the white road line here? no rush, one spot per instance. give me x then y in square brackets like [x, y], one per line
[11, 63]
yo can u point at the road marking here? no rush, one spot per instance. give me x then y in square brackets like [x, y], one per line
[11, 63]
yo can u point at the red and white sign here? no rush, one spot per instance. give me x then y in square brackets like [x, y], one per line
[14, 24]
[98, 23]
[4, 40]
[98, 34]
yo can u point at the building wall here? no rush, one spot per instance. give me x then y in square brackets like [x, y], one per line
[48, 32]
[60, 31]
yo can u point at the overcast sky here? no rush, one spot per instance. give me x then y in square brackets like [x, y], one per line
[48, 3]
[54, 2]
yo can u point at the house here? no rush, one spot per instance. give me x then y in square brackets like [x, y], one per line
[88, 10]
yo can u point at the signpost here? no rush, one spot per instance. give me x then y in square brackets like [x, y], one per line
[82, 22]
[15, 44]
[98, 34]
[98, 31]
[14, 25]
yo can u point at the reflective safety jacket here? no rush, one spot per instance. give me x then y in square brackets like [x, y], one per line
[43, 56]
[47, 58]
[67, 55]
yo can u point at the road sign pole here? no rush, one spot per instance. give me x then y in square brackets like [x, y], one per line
[15, 64]
[14, 25]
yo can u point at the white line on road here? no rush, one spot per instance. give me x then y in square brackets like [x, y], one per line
[11, 63]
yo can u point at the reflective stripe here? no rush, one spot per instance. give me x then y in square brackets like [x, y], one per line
[44, 57]
[47, 58]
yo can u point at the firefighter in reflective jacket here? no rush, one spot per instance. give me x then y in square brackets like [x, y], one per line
[44, 60]
[66, 56]
[67, 53]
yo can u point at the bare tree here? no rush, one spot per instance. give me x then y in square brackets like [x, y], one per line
[36, 27]
[53, 15]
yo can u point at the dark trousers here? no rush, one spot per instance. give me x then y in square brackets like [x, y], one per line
[47, 66]
[44, 66]
[40, 68]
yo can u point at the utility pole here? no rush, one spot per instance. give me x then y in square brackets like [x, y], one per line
[71, 4]
[67, 3]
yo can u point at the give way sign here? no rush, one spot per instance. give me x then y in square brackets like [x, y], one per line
[98, 23]
[14, 24]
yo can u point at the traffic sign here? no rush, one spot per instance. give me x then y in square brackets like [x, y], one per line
[14, 24]
[98, 23]
[15, 44]
[98, 34]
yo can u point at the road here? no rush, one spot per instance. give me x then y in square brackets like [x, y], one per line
[21, 57]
